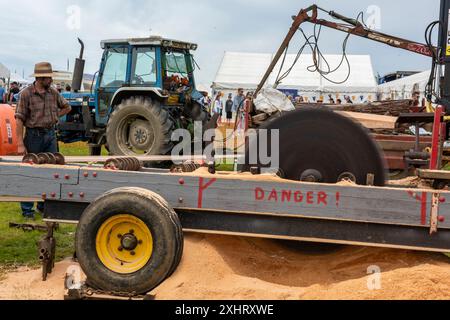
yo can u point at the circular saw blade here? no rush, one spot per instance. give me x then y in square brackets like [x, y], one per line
[323, 144]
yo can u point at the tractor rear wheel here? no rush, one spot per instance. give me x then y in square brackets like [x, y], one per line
[139, 126]
[129, 240]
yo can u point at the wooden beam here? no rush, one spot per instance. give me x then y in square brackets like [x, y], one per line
[101, 159]
[18, 199]
[371, 121]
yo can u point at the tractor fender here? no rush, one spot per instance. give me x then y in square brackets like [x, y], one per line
[126, 92]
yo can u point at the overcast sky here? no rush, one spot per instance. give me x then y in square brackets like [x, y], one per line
[33, 31]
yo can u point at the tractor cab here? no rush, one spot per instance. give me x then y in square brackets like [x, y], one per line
[161, 66]
[145, 89]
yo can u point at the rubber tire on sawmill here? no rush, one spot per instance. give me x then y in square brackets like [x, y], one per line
[161, 220]
[147, 109]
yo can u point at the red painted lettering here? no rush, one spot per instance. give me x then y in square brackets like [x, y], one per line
[310, 197]
[298, 196]
[273, 196]
[322, 198]
[259, 194]
[286, 195]
[293, 196]
[201, 188]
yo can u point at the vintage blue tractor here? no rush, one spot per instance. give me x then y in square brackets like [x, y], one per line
[145, 89]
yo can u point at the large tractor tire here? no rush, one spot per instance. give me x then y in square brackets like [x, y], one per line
[129, 240]
[139, 126]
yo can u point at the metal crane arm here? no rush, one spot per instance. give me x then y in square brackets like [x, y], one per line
[353, 26]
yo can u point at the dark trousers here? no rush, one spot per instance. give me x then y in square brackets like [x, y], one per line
[37, 141]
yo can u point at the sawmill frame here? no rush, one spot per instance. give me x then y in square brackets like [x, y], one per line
[249, 205]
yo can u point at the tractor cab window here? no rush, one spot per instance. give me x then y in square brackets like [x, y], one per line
[177, 70]
[115, 70]
[143, 70]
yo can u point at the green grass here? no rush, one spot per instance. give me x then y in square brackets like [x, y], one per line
[19, 248]
[77, 149]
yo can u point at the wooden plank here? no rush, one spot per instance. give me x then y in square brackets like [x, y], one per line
[17, 199]
[265, 195]
[27, 181]
[101, 159]
[391, 108]
[434, 174]
[371, 121]
[400, 146]
[270, 196]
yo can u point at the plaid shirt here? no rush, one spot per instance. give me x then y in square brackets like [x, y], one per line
[40, 110]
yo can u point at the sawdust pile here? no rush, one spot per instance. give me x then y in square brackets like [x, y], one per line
[220, 267]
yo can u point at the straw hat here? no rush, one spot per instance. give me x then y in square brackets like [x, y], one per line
[43, 70]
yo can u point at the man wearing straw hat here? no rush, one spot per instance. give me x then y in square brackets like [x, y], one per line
[39, 109]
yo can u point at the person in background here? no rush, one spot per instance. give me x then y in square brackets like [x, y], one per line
[39, 109]
[338, 101]
[245, 110]
[14, 89]
[2, 93]
[416, 98]
[58, 88]
[206, 101]
[229, 108]
[68, 88]
[238, 100]
[218, 106]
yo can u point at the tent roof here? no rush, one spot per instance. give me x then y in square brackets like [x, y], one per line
[17, 78]
[245, 70]
[406, 84]
[4, 72]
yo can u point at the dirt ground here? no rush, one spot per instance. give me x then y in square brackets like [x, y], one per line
[221, 267]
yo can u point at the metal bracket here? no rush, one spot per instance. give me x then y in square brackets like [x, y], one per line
[47, 250]
[28, 227]
[82, 291]
[434, 213]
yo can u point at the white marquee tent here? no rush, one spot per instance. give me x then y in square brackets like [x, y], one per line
[245, 70]
[17, 78]
[4, 72]
[403, 88]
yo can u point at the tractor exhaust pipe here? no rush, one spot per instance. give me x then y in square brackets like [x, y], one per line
[78, 71]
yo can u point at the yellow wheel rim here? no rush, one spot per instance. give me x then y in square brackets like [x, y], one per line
[124, 244]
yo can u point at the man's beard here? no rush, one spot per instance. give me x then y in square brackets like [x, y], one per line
[46, 86]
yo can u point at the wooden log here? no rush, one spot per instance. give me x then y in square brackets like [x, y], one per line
[388, 108]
